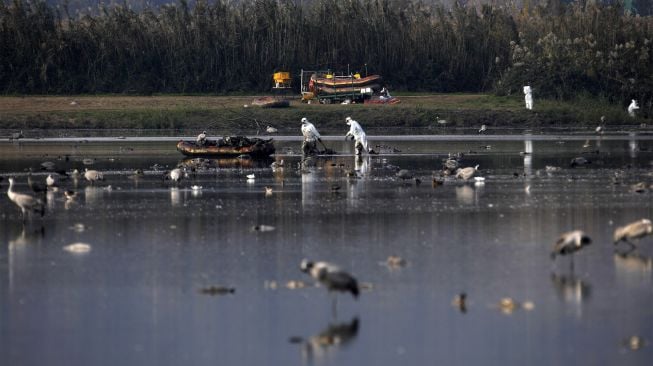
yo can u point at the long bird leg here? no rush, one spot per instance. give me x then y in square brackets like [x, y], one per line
[334, 306]
[323, 145]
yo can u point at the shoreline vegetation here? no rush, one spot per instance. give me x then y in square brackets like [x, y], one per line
[194, 65]
[416, 114]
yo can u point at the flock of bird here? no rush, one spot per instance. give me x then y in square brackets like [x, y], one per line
[332, 277]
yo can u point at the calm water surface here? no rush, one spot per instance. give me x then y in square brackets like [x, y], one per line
[135, 299]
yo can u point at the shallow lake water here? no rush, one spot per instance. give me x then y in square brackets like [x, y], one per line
[135, 296]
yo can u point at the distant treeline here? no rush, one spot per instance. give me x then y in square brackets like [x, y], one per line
[227, 46]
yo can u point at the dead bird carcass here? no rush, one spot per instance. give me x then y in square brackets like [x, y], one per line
[230, 146]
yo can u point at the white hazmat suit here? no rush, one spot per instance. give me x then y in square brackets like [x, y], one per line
[357, 133]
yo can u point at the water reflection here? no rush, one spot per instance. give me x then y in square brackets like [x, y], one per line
[316, 349]
[93, 195]
[633, 268]
[175, 197]
[17, 248]
[572, 290]
[633, 145]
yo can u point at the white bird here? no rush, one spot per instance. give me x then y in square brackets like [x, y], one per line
[570, 242]
[466, 173]
[270, 129]
[73, 103]
[440, 121]
[174, 175]
[482, 129]
[276, 165]
[93, 175]
[634, 230]
[201, 138]
[251, 176]
[27, 203]
[632, 107]
[331, 276]
[49, 181]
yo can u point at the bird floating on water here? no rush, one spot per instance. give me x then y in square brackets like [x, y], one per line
[49, 180]
[251, 176]
[174, 175]
[466, 173]
[270, 129]
[93, 176]
[482, 129]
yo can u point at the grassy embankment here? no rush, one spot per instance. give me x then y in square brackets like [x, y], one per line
[228, 114]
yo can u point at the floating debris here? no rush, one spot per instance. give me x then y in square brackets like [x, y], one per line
[264, 228]
[634, 343]
[528, 305]
[78, 227]
[460, 302]
[88, 161]
[295, 284]
[217, 290]
[47, 165]
[270, 285]
[640, 187]
[507, 305]
[551, 168]
[395, 262]
[77, 248]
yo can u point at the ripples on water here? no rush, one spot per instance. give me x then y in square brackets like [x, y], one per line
[134, 294]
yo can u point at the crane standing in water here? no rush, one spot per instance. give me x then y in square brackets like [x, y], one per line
[25, 202]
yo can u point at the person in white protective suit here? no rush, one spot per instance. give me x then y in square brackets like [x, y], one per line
[311, 137]
[632, 107]
[358, 135]
[528, 97]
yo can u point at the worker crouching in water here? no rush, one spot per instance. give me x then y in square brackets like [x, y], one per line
[357, 134]
[311, 138]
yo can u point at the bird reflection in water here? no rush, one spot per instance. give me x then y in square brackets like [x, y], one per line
[465, 195]
[175, 197]
[571, 290]
[316, 348]
[17, 248]
[633, 267]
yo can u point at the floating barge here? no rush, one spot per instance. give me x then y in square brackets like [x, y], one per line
[231, 146]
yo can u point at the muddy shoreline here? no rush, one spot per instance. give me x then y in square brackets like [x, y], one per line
[61, 116]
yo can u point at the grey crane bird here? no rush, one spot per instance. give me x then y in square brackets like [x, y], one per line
[25, 202]
[331, 276]
[16, 135]
[570, 242]
[633, 231]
